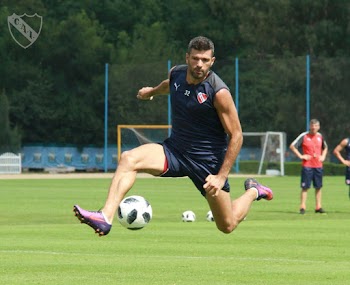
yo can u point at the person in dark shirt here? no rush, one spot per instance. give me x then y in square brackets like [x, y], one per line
[344, 145]
[205, 140]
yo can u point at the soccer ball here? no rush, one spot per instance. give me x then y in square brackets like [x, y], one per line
[210, 217]
[188, 216]
[134, 212]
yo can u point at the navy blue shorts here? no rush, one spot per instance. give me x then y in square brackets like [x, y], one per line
[180, 165]
[313, 175]
[347, 176]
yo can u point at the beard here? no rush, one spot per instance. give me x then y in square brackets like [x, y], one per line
[198, 74]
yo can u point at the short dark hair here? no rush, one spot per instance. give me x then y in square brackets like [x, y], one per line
[314, 121]
[201, 43]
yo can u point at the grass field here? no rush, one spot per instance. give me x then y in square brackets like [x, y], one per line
[41, 242]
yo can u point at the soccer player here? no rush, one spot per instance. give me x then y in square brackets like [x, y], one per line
[344, 144]
[205, 140]
[314, 151]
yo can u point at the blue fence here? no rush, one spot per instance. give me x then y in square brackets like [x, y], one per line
[41, 157]
[92, 158]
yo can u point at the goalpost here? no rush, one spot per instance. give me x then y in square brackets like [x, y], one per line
[272, 150]
[267, 148]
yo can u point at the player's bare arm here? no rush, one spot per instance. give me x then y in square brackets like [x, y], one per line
[229, 118]
[147, 93]
[337, 152]
[298, 154]
[324, 154]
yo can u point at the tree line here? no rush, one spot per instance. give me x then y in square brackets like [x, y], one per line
[53, 91]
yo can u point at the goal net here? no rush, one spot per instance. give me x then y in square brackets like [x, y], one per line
[267, 149]
[264, 151]
[131, 136]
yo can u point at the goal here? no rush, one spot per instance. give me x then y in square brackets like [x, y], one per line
[268, 148]
[265, 150]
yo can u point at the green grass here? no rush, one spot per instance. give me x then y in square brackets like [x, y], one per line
[41, 242]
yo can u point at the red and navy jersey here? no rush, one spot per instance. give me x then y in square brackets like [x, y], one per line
[196, 127]
[312, 145]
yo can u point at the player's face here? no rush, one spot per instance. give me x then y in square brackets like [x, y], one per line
[314, 128]
[199, 64]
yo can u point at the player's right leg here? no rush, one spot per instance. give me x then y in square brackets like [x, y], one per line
[148, 158]
[305, 183]
[303, 198]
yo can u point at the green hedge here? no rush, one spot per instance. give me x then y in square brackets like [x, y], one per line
[290, 168]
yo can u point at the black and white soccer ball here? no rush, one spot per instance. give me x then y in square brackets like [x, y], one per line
[210, 217]
[188, 216]
[134, 212]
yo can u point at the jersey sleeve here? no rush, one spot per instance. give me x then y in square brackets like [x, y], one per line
[299, 140]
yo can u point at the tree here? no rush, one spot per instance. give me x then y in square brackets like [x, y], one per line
[10, 140]
[56, 87]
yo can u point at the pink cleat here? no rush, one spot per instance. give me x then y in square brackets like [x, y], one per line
[263, 191]
[95, 220]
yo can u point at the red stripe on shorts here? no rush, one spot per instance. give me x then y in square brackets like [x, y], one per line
[165, 165]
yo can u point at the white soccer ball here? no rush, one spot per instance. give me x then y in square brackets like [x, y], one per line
[188, 216]
[134, 212]
[210, 217]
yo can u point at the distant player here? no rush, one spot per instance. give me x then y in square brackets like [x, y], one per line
[205, 140]
[314, 150]
[344, 144]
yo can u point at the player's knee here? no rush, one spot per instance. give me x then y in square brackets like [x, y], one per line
[127, 160]
[227, 228]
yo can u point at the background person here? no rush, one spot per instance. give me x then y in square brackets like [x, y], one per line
[313, 153]
[205, 140]
[344, 144]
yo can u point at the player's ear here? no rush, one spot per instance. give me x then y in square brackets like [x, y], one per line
[212, 60]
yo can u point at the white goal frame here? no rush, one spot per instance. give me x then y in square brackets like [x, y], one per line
[280, 150]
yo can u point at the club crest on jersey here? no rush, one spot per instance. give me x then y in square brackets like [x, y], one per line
[202, 97]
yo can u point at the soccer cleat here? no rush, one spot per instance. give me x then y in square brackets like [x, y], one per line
[95, 220]
[302, 211]
[263, 191]
[320, 211]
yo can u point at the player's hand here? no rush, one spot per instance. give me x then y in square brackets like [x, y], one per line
[214, 184]
[306, 157]
[145, 93]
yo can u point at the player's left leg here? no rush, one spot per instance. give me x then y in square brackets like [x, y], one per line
[318, 200]
[317, 182]
[228, 214]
